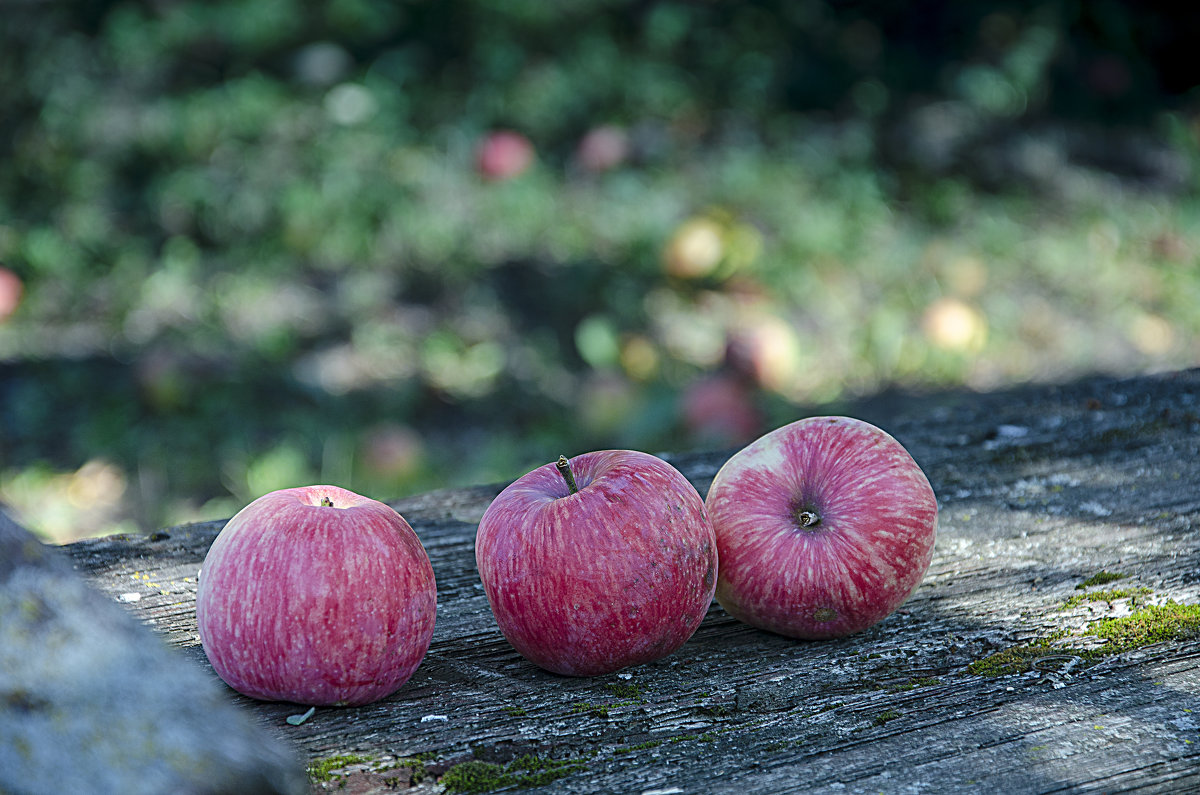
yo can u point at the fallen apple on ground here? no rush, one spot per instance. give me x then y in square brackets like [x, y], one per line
[598, 563]
[504, 154]
[318, 596]
[824, 527]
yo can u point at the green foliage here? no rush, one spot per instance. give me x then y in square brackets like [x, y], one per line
[255, 249]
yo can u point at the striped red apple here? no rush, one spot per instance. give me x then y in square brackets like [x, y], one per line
[598, 563]
[824, 527]
[317, 596]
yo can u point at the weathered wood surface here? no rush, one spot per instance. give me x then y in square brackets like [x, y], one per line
[1039, 488]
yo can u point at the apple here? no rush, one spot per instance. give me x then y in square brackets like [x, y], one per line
[318, 596]
[954, 325]
[767, 349]
[695, 249]
[504, 154]
[719, 410]
[603, 148]
[10, 292]
[598, 563]
[824, 527]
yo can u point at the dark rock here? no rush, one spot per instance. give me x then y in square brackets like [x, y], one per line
[91, 701]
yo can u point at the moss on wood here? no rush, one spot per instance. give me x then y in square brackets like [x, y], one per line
[1100, 578]
[525, 771]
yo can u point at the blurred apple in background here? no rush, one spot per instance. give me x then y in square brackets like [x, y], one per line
[695, 249]
[719, 410]
[391, 450]
[318, 596]
[603, 148]
[766, 349]
[954, 325]
[11, 289]
[711, 246]
[504, 154]
[598, 563]
[824, 527]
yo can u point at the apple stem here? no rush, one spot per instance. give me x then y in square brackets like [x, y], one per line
[564, 469]
[808, 519]
[326, 502]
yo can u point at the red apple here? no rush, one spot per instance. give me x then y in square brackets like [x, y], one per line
[504, 154]
[603, 148]
[10, 292]
[316, 595]
[719, 410]
[598, 563]
[824, 527]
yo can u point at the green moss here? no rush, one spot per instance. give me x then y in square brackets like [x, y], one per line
[515, 712]
[599, 710]
[1100, 578]
[415, 765]
[622, 690]
[639, 747]
[322, 769]
[885, 716]
[1153, 624]
[473, 776]
[524, 771]
[1112, 595]
[911, 684]
[1016, 660]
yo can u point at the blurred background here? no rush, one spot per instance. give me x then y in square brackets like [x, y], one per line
[398, 246]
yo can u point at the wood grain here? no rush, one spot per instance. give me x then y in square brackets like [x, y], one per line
[1039, 488]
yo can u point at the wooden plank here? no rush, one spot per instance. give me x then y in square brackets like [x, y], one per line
[1039, 488]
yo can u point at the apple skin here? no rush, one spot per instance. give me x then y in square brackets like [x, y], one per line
[872, 521]
[620, 573]
[322, 605]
